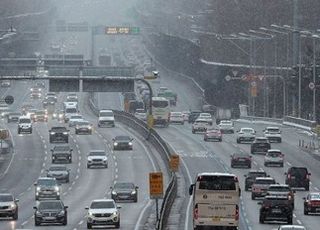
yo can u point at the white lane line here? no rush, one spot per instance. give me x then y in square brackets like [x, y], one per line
[316, 188]
[70, 188]
[255, 163]
[43, 164]
[310, 183]
[73, 182]
[45, 146]
[299, 222]
[116, 169]
[24, 223]
[261, 169]
[78, 170]
[65, 193]
[45, 158]
[81, 222]
[294, 215]
[46, 152]
[77, 177]
[288, 163]
[115, 164]
[77, 146]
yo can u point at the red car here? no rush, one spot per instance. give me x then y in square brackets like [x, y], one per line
[241, 159]
[213, 134]
[312, 203]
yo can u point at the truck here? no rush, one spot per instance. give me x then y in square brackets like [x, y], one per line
[222, 114]
[170, 95]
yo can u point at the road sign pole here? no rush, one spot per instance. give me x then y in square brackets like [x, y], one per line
[157, 209]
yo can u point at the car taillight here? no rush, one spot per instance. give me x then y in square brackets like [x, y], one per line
[195, 212]
[248, 158]
[237, 213]
[289, 176]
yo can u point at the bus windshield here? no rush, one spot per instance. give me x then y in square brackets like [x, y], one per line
[217, 182]
[160, 104]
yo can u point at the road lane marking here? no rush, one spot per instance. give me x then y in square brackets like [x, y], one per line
[288, 163]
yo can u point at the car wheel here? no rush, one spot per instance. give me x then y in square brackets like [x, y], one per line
[307, 188]
[70, 160]
[205, 139]
[68, 180]
[193, 131]
[18, 131]
[88, 166]
[89, 226]
[136, 199]
[281, 165]
[261, 220]
[280, 141]
[246, 188]
[253, 197]
[15, 215]
[249, 166]
[265, 164]
[65, 222]
[305, 211]
[36, 223]
[238, 141]
[289, 219]
[220, 140]
[117, 225]
[232, 166]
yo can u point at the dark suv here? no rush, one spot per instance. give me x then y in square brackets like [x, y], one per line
[251, 176]
[260, 145]
[50, 211]
[275, 208]
[298, 177]
[61, 153]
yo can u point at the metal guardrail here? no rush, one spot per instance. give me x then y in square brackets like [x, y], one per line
[267, 119]
[163, 149]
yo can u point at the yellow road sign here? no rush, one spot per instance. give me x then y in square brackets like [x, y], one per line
[150, 121]
[4, 134]
[174, 162]
[156, 185]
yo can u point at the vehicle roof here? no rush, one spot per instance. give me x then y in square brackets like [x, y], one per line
[207, 114]
[292, 227]
[105, 110]
[256, 171]
[265, 178]
[6, 194]
[274, 150]
[24, 117]
[97, 151]
[279, 185]
[215, 174]
[262, 138]
[201, 119]
[102, 200]
[246, 128]
[272, 127]
[159, 99]
[46, 178]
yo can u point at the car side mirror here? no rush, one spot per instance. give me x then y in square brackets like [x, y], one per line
[285, 173]
[71, 150]
[260, 202]
[35, 184]
[113, 139]
[137, 187]
[191, 189]
[47, 170]
[86, 208]
[131, 139]
[294, 191]
[16, 200]
[34, 207]
[111, 187]
[118, 207]
[304, 198]
[245, 175]
[51, 150]
[309, 174]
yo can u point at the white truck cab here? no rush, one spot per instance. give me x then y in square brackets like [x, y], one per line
[106, 118]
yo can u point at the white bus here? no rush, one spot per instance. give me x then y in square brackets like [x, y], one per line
[216, 199]
[160, 111]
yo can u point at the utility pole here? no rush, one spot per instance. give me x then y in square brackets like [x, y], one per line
[296, 35]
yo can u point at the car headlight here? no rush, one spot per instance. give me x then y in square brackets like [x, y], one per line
[130, 143]
[60, 115]
[54, 115]
[38, 189]
[61, 213]
[52, 133]
[65, 133]
[115, 143]
[115, 214]
[13, 206]
[114, 193]
[89, 127]
[56, 188]
[38, 213]
[133, 192]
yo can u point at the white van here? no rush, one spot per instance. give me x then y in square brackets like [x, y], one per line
[106, 118]
[216, 199]
[70, 110]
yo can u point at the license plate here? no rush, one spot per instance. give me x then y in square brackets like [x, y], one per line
[215, 218]
[50, 218]
[317, 209]
[242, 160]
[276, 211]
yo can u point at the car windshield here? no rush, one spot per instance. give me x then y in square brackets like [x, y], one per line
[315, 196]
[275, 201]
[176, 114]
[102, 205]
[106, 114]
[82, 123]
[261, 140]
[71, 110]
[61, 148]
[40, 112]
[6, 198]
[205, 115]
[200, 122]
[124, 186]
[274, 154]
[279, 188]
[140, 111]
[122, 138]
[58, 168]
[213, 131]
[47, 205]
[76, 117]
[300, 172]
[240, 155]
[264, 181]
[97, 153]
[47, 182]
[273, 130]
[25, 120]
[247, 130]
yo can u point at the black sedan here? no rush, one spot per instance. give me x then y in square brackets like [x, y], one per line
[50, 211]
[240, 159]
[122, 143]
[60, 172]
[124, 191]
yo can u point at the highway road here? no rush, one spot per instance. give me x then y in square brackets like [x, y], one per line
[199, 156]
